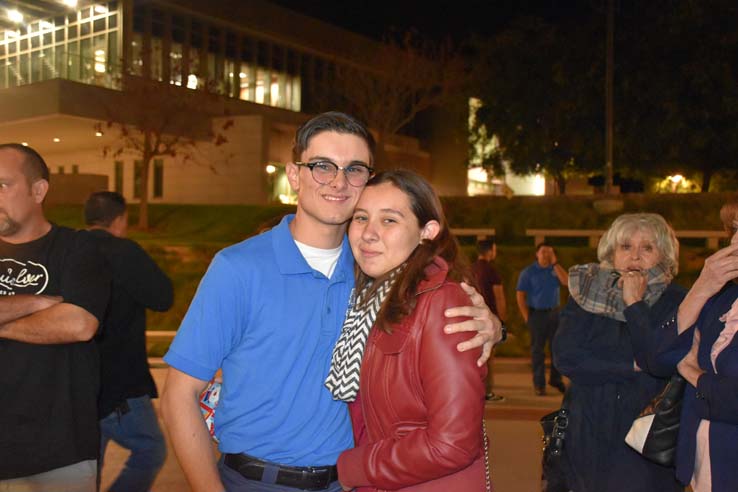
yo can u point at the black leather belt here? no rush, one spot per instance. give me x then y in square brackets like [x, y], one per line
[299, 477]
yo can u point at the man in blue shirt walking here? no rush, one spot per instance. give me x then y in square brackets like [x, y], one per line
[538, 300]
[268, 313]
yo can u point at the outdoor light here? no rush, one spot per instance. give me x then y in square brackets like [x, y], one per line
[98, 134]
[25, 144]
[101, 9]
[677, 178]
[270, 169]
[70, 3]
[100, 61]
[15, 16]
[57, 140]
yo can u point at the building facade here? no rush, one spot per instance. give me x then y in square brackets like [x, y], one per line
[66, 70]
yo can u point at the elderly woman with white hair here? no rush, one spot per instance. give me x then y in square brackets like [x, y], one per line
[602, 345]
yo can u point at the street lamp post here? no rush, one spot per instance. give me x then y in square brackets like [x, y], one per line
[609, 95]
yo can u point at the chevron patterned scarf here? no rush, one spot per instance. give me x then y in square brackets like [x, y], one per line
[343, 378]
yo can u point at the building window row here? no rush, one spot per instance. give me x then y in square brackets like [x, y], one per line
[80, 46]
[87, 45]
[189, 52]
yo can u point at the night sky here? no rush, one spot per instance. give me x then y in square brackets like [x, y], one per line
[436, 20]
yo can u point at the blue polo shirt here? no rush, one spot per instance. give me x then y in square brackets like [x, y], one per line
[541, 286]
[270, 322]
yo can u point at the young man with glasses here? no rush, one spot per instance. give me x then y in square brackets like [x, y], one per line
[268, 312]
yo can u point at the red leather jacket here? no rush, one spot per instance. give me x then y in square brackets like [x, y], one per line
[418, 423]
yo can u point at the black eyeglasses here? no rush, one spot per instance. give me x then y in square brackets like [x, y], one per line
[324, 172]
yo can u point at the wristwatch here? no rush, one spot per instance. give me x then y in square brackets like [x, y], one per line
[503, 329]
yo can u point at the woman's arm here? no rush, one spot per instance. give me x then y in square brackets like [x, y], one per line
[717, 395]
[575, 356]
[453, 393]
[648, 327]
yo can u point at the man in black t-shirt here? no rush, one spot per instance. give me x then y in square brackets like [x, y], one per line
[126, 388]
[53, 293]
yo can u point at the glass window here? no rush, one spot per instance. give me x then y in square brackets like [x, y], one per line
[60, 170]
[119, 177]
[86, 71]
[84, 29]
[72, 32]
[196, 34]
[99, 25]
[12, 71]
[156, 61]
[47, 64]
[137, 174]
[23, 72]
[158, 178]
[113, 21]
[59, 36]
[175, 64]
[35, 66]
[75, 168]
[60, 62]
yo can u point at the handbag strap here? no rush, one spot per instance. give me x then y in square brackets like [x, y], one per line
[487, 473]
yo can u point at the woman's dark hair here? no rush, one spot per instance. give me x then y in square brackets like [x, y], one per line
[426, 207]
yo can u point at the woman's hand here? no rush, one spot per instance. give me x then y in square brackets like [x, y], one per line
[689, 367]
[719, 269]
[634, 286]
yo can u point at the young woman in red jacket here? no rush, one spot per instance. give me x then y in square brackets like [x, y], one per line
[418, 420]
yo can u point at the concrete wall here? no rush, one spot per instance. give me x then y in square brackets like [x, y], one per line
[232, 173]
[74, 188]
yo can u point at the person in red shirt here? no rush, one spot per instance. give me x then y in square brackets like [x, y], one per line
[490, 286]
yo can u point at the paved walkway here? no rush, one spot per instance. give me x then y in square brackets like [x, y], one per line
[512, 425]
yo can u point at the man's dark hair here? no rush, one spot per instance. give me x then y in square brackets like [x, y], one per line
[543, 244]
[332, 121]
[103, 207]
[485, 245]
[34, 166]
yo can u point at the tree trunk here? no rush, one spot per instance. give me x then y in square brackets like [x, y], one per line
[143, 206]
[561, 183]
[706, 178]
[380, 155]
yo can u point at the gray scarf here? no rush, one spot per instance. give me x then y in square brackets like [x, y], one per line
[596, 289]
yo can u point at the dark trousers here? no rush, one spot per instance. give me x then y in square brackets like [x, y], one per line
[542, 325]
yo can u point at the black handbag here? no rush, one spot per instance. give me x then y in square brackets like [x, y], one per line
[654, 432]
[554, 425]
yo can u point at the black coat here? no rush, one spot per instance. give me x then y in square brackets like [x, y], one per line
[597, 354]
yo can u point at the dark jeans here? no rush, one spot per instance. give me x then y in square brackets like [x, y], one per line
[542, 325]
[137, 430]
